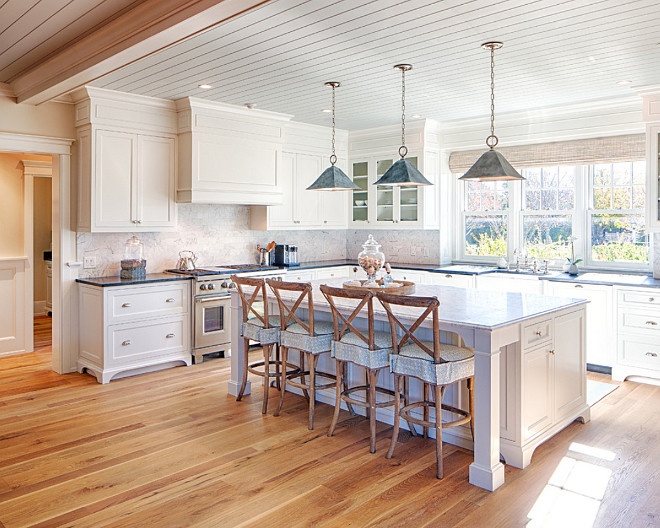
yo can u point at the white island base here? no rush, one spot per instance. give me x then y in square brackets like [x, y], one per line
[530, 370]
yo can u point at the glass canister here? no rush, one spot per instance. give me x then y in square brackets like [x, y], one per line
[133, 265]
[371, 260]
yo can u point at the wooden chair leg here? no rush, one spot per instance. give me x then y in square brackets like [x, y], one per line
[340, 380]
[245, 370]
[426, 409]
[278, 364]
[301, 362]
[397, 410]
[367, 377]
[439, 393]
[266, 350]
[470, 386]
[313, 360]
[345, 387]
[373, 379]
[285, 355]
[406, 400]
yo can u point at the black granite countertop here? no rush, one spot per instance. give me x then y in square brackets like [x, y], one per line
[117, 281]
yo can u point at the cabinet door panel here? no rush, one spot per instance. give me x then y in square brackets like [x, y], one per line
[570, 363]
[537, 390]
[156, 182]
[115, 168]
[282, 215]
[306, 207]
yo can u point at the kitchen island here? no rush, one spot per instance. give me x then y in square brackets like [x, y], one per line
[530, 369]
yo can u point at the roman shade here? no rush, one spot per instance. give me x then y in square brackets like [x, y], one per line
[581, 152]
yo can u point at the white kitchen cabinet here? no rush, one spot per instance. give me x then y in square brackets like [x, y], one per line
[509, 283]
[127, 163]
[300, 275]
[126, 330]
[601, 327]
[334, 272]
[638, 341]
[416, 276]
[551, 387]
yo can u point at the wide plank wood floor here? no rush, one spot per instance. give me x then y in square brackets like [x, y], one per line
[172, 449]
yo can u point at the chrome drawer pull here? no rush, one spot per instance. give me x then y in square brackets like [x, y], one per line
[579, 286]
[170, 300]
[126, 343]
[651, 323]
[448, 276]
[538, 333]
[169, 336]
[126, 305]
[652, 354]
[651, 299]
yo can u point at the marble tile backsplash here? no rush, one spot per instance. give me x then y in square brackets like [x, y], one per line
[218, 234]
[414, 246]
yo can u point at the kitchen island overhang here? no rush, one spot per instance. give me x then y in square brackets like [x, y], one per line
[530, 368]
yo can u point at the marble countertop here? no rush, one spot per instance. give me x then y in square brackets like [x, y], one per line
[118, 281]
[607, 279]
[461, 306]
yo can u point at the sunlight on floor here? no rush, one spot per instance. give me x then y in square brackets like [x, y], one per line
[574, 492]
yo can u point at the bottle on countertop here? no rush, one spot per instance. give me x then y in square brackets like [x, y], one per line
[387, 279]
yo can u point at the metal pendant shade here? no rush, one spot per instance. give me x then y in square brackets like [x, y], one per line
[333, 178]
[491, 165]
[402, 173]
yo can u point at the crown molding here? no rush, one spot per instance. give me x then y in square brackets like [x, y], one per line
[6, 90]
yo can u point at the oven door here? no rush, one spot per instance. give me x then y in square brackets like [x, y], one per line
[212, 321]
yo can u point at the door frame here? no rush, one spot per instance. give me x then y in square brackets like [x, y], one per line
[65, 265]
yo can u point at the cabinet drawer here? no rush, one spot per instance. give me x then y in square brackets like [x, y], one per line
[135, 343]
[537, 332]
[630, 321]
[300, 276]
[652, 298]
[333, 273]
[639, 352]
[144, 302]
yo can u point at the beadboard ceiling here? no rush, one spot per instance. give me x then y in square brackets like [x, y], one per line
[279, 54]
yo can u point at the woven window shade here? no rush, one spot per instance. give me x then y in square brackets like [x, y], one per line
[580, 152]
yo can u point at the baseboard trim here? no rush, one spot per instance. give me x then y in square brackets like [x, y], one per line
[40, 308]
[599, 368]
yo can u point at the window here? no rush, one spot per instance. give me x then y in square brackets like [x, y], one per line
[486, 218]
[599, 207]
[617, 221]
[548, 211]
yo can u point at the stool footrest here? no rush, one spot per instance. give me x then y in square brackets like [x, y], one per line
[252, 367]
[405, 413]
[363, 403]
[317, 374]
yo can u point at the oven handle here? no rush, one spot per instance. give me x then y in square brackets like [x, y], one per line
[211, 299]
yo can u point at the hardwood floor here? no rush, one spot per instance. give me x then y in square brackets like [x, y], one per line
[172, 449]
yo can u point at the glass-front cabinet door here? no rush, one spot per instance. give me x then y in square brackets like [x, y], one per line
[381, 204]
[653, 181]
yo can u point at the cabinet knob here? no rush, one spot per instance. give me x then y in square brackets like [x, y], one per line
[354, 269]
[169, 336]
[126, 343]
[651, 323]
[126, 305]
[538, 333]
[325, 221]
[652, 354]
[579, 286]
[449, 276]
[552, 351]
[651, 299]
[170, 300]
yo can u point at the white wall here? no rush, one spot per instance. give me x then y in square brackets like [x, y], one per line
[43, 226]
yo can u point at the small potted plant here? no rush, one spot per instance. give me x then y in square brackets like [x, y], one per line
[572, 262]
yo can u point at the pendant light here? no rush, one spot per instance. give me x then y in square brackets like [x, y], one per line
[492, 166]
[403, 173]
[333, 178]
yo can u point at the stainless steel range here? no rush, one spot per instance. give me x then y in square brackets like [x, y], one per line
[211, 310]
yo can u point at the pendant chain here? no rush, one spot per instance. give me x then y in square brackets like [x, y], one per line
[492, 91]
[403, 107]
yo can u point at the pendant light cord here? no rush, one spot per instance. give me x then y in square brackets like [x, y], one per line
[492, 140]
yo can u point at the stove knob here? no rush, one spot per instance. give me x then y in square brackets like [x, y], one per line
[232, 285]
[202, 287]
[224, 284]
[211, 286]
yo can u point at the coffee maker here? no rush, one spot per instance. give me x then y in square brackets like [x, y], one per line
[285, 255]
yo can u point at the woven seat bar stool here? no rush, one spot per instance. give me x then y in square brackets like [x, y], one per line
[435, 364]
[259, 326]
[369, 349]
[311, 338]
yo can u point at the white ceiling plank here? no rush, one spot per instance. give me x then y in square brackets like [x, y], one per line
[151, 26]
[10, 13]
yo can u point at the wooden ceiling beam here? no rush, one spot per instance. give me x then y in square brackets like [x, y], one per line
[151, 26]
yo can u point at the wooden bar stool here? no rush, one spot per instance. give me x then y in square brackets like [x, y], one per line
[311, 338]
[436, 364]
[350, 345]
[261, 327]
